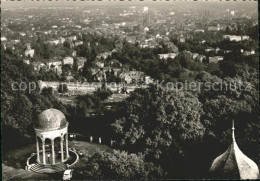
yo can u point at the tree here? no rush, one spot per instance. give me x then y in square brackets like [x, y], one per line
[159, 123]
[86, 72]
[67, 44]
[75, 65]
[117, 165]
[21, 107]
[47, 91]
[229, 99]
[48, 52]
[66, 69]
[21, 110]
[102, 94]
[63, 88]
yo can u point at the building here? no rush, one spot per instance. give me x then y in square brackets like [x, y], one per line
[167, 55]
[22, 33]
[209, 49]
[194, 55]
[72, 38]
[53, 63]
[143, 45]
[235, 37]
[3, 38]
[126, 78]
[74, 53]
[200, 58]
[182, 39]
[81, 62]
[16, 41]
[104, 55]
[214, 28]
[52, 149]
[38, 65]
[77, 43]
[217, 50]
[148, 80]
[26, 61]
[146, 29]
[227, 51]
[199, 31]
[68, 60]
[62, 40]
[100, 76]
[29, 53]
[233, 164]
[248, 53]
[54, 42]
[215, 59]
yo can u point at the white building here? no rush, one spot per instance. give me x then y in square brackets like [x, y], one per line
[68, 60]
[194, 56]
[81, 62]
[199, 31]
[235, 37]
[28, 53]
[26, 61]
[167, 55]
[54, 42]
[215, 59]
[104, 55]
[38, 65]
[77, 43]
[54, 63]
[148, 80]
[3, 38]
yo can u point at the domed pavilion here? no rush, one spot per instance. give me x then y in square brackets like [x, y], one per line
[51, 130]
[53, 154]
[233, 164]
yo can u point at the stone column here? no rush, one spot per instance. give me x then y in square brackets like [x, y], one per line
[52, 151]
[38, 150]
[67, 146]
[43, 152]
[61, 149]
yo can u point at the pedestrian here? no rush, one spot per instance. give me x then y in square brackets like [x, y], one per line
[99, 140]
[91, 139]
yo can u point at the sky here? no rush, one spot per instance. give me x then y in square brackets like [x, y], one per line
[28, 3]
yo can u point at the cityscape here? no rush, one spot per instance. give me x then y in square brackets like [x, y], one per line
[111, 90]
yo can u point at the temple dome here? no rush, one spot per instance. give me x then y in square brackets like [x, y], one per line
[234, 164]
[51, 119]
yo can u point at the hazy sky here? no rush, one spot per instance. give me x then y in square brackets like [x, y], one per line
[30, 3]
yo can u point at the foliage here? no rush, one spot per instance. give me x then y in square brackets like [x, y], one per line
[102, 94]
[118, 165]
[63, 88]
[20, 107]
[158, 122]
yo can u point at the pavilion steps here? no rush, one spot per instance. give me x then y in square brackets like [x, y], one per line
[39, 168]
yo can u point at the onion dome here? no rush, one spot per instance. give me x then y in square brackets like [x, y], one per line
[51, 119]
[233, 164]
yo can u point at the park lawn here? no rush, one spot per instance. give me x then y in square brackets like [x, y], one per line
[89, 148]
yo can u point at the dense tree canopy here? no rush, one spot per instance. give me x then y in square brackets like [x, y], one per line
[21, 99]
[118, 165]
[161, 124]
